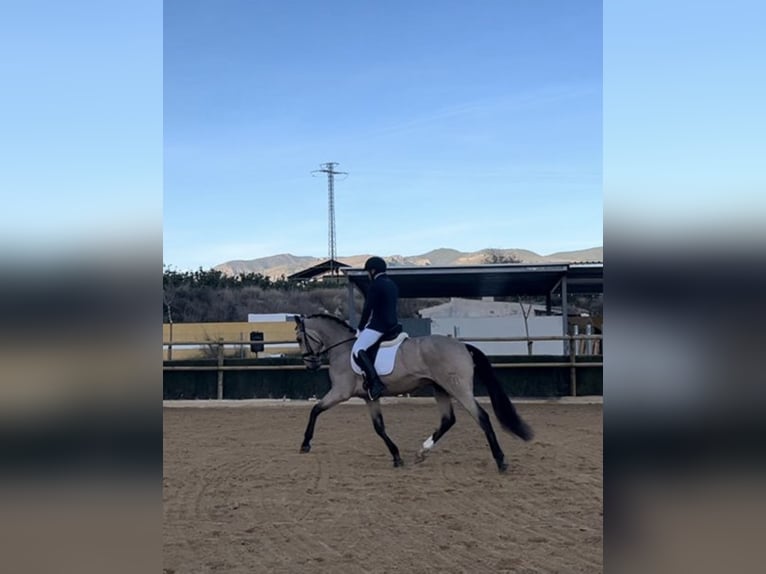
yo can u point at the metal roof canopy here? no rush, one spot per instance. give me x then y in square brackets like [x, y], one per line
[317, 269]
[497, 280]
[500, 280]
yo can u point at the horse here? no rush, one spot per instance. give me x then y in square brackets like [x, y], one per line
[444, 363]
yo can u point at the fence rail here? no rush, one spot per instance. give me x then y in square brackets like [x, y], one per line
[220, 345]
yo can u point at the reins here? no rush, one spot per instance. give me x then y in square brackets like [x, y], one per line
[325, 351]
[311, 352]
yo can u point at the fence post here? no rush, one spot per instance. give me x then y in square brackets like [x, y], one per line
[572, 368]
[220, 370]
[576, 342]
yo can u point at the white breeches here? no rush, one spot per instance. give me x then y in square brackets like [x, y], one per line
[365, 340]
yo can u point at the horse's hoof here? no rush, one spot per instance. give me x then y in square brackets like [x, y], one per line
[398, 462]
[305, 447]
[502, 467]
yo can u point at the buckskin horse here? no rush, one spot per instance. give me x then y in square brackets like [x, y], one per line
[448, 365]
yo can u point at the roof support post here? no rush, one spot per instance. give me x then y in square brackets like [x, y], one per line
[351, 306]
[549, 295]
[564, 313]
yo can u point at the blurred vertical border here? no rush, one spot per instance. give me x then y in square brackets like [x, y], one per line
[80, 281]
[685, 277]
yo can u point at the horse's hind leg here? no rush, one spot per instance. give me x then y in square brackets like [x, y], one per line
[448, 419]
[486, 426]
[380, 428]
[481, 416]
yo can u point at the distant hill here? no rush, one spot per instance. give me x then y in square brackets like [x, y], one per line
[286, 264]
[594, 254]
[273, 266]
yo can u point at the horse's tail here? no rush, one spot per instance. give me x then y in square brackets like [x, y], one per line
[502, 405]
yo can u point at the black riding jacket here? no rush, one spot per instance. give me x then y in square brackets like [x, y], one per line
[381, 303]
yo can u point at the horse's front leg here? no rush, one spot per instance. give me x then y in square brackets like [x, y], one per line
[380, 428]
[332, 398]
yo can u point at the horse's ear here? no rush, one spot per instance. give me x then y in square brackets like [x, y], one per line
[298, 319]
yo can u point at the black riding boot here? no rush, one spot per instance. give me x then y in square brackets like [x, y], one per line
[375, 386]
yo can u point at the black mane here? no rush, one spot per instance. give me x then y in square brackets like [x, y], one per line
[332, 318]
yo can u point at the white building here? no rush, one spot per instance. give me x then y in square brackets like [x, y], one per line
[466, 318]
[486, 307]
[270, 317]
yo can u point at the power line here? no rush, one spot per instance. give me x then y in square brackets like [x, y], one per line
[329, 169]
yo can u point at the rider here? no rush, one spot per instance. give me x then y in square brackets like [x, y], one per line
[378, 318]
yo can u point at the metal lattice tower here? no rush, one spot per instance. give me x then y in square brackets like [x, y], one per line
[329, 169]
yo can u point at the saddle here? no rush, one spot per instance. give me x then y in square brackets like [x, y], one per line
[383, 353]
[389, 339]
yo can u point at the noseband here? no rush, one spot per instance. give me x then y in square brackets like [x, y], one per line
[310, 354]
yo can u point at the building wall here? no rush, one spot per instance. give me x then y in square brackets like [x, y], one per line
[467, 327]
[459, 307]
[270, 317]
[416, 327]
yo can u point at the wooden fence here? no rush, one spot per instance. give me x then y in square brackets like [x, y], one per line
[576, 344]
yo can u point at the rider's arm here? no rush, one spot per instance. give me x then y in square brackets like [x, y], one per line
[369, 302]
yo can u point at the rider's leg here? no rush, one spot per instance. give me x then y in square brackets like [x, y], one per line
[374, 385]
[366, 339]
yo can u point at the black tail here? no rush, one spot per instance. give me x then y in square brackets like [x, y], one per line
[504, 409]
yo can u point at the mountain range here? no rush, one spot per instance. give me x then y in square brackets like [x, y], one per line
[286, 264]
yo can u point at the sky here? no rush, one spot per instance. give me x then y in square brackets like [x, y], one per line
[459, 127]
[684, 122]
[81, 124]
[465, 125]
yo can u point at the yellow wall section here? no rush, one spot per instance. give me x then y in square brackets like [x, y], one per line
[211, 332]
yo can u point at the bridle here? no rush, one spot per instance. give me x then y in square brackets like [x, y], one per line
[312, 358]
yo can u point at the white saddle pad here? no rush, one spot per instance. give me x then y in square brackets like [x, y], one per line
[384, 362]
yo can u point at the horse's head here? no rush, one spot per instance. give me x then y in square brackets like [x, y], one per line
[319, 334]
[310, 344]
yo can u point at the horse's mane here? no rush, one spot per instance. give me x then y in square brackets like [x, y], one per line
[332, 318]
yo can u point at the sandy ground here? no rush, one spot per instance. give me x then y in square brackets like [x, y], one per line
[240, 498]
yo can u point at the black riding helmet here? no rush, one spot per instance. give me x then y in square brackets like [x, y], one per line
[375, 264]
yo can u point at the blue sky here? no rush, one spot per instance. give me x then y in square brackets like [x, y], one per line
[81, 118]
[488, 138]
[460, 127]
[684, 120]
